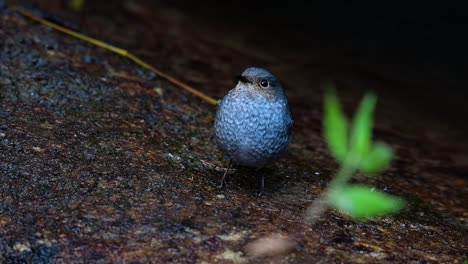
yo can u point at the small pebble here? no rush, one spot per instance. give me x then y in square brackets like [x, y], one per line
[90, 60]
[20, 247]
[152, 76]
[38, 149]
[41, 62]
[220, 196]
[149, 75]
[159, 91]
[2, 134]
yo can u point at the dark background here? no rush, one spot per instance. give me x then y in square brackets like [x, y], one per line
[421, 46]
[417, 48]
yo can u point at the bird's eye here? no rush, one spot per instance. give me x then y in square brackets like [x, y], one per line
[264, 83]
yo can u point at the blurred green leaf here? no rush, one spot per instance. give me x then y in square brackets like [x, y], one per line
[361, 131]
[360, 201]
[76, 5]
[377, 160]
[335, 125]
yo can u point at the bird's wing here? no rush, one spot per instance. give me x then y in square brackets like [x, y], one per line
[290, 122]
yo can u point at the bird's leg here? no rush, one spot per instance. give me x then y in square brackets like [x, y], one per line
[262, 185]
[223, 180]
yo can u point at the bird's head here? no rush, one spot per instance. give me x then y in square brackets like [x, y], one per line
[258, 80]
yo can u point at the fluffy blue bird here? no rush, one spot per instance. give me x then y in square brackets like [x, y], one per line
[253, 120]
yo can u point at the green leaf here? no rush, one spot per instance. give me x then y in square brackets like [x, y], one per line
[361, 131]
[377, 160]
[360, 201]
[335, 125]
[76, 5]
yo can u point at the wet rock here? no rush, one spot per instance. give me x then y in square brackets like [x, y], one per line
[149, 75]
[90, 60]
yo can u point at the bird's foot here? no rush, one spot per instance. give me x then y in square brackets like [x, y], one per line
[260, 193]
[223, 179]
[262, 187]
[222, 183]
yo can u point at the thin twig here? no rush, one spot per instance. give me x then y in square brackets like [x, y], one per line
[119, 51]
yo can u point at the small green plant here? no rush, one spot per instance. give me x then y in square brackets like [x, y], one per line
[352, 146]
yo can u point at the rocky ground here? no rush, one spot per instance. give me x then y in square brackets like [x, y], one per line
[103, 161]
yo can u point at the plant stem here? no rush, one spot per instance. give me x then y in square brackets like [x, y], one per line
[344, 173]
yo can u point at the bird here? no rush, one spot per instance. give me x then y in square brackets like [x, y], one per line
[253, 121]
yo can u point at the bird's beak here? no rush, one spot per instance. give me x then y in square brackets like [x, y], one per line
[243, 79]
